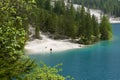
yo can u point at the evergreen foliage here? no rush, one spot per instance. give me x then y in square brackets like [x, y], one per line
[64, 20]
[105, 29]
[96, 31]
[110, 7]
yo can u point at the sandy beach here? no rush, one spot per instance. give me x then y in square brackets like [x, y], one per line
[47, 45]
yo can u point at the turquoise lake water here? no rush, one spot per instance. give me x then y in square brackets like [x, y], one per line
[100, 61]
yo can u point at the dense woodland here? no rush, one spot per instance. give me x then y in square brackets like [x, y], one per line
[64, 21]
[110, 7]
[58, 19]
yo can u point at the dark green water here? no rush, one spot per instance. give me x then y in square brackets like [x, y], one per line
[97, 62]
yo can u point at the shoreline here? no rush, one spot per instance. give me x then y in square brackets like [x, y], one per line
[47, 45]
[114, 20]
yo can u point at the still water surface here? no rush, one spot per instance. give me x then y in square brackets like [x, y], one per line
[100, 61]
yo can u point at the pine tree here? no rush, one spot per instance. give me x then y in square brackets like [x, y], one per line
[70, 26]
[96, 31]
[48, 5]
[40, 3]
[82, 22]
[83, 26]
[105, 29]
[78, 21]
[59, 7]
[36, 21]
[88, 29]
